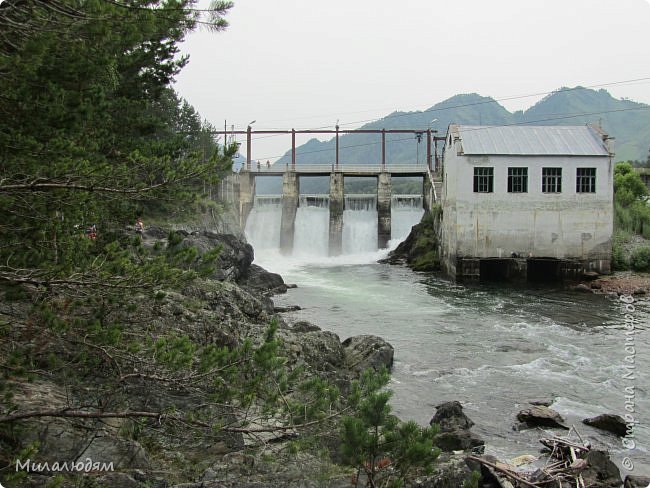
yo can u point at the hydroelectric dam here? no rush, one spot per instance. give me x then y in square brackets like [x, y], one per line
[340, 222]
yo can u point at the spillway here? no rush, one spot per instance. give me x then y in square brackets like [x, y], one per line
[311, 236]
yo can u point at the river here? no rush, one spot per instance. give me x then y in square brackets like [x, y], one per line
[492, 348]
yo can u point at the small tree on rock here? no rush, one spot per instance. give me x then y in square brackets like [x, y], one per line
[376, 442]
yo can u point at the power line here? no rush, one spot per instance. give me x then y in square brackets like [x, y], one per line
[549, 119]
[482, 102]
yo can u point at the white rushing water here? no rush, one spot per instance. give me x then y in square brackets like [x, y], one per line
[311, 237]
[360, 224]
[492, 348]
[264, 223]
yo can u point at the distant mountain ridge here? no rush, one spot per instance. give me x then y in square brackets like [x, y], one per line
[625, 120]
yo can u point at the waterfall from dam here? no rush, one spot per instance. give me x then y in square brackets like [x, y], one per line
[263, 224]
[360, 224]
[311, 238]
[406, 211]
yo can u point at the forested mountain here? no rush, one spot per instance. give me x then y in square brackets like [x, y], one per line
[627, 121]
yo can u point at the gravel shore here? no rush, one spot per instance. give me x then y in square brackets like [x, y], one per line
[622, 282]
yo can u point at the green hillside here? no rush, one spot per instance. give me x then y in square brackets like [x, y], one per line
[627, 121]
[619, 118]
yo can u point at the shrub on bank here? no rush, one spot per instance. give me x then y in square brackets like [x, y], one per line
[631, 210]
[631, 218]
[620, 258]
[640, 260]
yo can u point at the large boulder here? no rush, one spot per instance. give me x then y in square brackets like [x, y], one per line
[257, 278]
[67, 439]
[321, 350]
[540, 416]
[609, 422]
[636, 481]
[124, 453]
[300, 470]
[154, 232]
[601, 472]
[304, 326]
[450, 416]
[367, 351]
[449, 471]
[420, 249]
[116, 479]
[455, 427]
[235, 257]
[233, 261]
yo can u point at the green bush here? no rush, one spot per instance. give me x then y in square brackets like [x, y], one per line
[620, 262]
[628, 184]
[631, 211]
[641, 259]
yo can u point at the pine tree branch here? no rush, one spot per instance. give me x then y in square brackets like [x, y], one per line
[72, 413]
[38, 278]
[50, 185]
[183, 380]
[75, 283]
[66, 413]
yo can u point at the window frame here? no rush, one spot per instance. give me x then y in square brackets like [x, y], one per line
[553, 181]
[483, 181]
[518, 179]
[586, 183]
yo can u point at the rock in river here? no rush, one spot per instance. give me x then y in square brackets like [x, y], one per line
[539, 416]
[367, 351]
[454, 428]
[608, 422]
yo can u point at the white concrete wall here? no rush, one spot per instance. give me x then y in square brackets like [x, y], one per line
[564, 225]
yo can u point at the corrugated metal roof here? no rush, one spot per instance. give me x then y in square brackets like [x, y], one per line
[534, 140]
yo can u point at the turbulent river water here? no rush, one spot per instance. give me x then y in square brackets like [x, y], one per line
[492, 348]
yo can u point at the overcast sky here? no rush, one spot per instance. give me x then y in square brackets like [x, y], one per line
[307, 63]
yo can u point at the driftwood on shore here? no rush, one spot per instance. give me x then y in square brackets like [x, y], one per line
[570, 463]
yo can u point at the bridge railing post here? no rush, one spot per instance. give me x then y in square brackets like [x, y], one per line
[293, 149]
[435, 149]
[383, 149]
[429, 149]
[248, 148]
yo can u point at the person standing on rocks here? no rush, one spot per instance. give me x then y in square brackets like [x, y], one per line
[139, 226]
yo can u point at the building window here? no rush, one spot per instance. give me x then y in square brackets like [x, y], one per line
[483, 180]
[586, 180]
[551, 180]
[517, 180]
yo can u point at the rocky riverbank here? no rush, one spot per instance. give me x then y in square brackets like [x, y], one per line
[619, 283]
[150, 419]
[420, 250]
[137, 397]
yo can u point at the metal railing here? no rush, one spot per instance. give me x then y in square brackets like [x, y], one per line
[344, 168]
